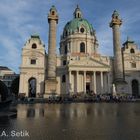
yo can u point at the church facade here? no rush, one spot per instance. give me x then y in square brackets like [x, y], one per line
[79, 68]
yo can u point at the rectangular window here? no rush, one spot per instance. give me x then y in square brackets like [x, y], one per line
[33, 61]
[133, 65]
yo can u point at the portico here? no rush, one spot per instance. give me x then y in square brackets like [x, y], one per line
[97, 82]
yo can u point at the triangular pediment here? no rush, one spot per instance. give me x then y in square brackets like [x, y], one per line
[88, 63]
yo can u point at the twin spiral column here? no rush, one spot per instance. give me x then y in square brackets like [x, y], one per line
[119, 81]
[51, 82]
[115, 25]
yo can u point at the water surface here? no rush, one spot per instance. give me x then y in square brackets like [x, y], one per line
[95, 121]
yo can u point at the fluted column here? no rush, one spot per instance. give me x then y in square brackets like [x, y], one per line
[101, 82]
[77, 80]
[108, 78]
[84, 82]
[94, 73]
[52, 20]
[52, 50]
[118, 65]
[92, 81]
[51, 81]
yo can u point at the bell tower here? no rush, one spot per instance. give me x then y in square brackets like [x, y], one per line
[51, 82]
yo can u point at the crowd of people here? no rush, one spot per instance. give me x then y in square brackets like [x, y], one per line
[92, 98]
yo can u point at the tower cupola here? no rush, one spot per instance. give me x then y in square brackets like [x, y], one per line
[115, 19]
[53, 15]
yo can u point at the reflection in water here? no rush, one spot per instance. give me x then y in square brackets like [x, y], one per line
[101, 121]
[41, 112]
[30, 112]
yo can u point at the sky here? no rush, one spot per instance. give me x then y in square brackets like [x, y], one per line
[19, 19]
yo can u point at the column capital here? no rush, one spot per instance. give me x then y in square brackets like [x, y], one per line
[115, 19]
[53, 15]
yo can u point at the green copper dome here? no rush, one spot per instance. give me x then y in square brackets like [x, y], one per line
[78, 25]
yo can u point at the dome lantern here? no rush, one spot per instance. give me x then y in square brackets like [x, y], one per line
[77, 13]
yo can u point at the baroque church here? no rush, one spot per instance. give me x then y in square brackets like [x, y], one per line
[79, 68]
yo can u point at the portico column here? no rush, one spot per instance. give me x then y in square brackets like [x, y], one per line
[108, 78]
[70, 84]
[92, 81]
[101, 82]
[94, 76]
[77, 78]
[84, 82]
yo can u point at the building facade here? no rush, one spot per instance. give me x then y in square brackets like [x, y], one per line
[79, 68]
[7, 76]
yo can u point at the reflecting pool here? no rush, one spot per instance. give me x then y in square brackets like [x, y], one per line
[76, 121]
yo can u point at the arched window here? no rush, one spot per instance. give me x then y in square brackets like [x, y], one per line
[53, 13]
[78, 15]
[34, 46]
[82, 47]
[132, 51]
[63, 79]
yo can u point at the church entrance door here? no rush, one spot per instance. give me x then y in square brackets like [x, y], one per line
[32, 87]
[87, 87]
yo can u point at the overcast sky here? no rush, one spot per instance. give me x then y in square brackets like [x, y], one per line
[21, 18]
